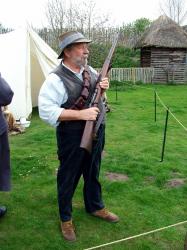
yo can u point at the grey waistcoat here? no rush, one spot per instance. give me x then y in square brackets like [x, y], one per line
[74, 87]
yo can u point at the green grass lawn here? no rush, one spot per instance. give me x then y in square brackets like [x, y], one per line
[133, 147]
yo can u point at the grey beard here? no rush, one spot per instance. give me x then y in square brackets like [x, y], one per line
[81, 61]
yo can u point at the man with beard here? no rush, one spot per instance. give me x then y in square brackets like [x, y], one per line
[62, 105]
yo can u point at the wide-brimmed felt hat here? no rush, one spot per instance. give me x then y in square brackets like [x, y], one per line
[71, 37]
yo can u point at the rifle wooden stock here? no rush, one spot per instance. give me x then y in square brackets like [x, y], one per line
[87, 137]
[88, 134]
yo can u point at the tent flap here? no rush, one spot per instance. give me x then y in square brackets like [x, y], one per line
[24, 63]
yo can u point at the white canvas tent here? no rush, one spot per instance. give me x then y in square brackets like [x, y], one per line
[25, 61]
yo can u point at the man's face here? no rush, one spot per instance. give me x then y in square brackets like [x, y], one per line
[78, 54]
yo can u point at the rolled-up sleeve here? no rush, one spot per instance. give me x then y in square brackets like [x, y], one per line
[52, 95]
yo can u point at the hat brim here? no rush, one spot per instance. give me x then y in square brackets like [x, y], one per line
[81, 40]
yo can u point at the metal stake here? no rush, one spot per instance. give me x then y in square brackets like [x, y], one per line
[155, 103]
[116, 92]
[165, 132]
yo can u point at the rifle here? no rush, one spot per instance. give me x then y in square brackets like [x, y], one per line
[88, 134]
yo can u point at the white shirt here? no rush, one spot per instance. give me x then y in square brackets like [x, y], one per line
[52, 95]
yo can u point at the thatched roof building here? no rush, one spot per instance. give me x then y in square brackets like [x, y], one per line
[164, 47]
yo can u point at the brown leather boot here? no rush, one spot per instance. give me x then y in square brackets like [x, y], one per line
[106, 215]
[68, 230]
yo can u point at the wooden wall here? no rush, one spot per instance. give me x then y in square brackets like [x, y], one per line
[145, 57]
[170, 64]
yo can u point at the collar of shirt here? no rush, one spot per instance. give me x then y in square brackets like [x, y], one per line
[79, 75]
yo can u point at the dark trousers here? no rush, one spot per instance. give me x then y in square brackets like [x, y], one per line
[74, 162]
[4, 163]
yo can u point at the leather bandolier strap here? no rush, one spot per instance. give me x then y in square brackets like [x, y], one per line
[81, 101]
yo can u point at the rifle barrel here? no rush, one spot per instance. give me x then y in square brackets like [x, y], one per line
[87, 137]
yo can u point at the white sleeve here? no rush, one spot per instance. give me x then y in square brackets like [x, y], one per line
[51, 96]
[93, 70]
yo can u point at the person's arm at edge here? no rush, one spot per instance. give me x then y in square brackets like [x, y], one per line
[6, 93]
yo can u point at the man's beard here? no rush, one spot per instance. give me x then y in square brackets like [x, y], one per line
[80, 61]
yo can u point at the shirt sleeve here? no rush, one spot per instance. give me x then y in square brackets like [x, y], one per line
[51, 96]
[93, 71]
[6, 93]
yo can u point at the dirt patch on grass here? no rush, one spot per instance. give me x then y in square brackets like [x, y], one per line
[149, 179]
[174, 183]
[116, 177]
[176, 174]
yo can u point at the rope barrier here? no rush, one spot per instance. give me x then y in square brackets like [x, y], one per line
[185, 128]
[161, 101]
[137, 236]
[170, 112]
[159, 229]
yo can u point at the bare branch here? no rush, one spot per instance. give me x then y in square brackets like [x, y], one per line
[175, 9]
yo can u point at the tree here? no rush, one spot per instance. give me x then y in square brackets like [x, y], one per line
[140, 25]
[175, 9]
[55, 13]
[130, 33]
[3, 29]
[79, 15]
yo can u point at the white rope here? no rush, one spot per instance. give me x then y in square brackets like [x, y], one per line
[185, 128]
[156, 230]
[161, 101]
[136, 236]
[170, 112]
[178, 120]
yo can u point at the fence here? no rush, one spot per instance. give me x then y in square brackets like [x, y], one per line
[144, 75]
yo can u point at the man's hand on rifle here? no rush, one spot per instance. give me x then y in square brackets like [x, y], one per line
[89, 114]
[104, 84]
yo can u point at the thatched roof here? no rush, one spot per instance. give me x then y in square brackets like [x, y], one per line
[163, 32]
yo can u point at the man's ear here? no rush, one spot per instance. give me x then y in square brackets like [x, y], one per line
[67, 51]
